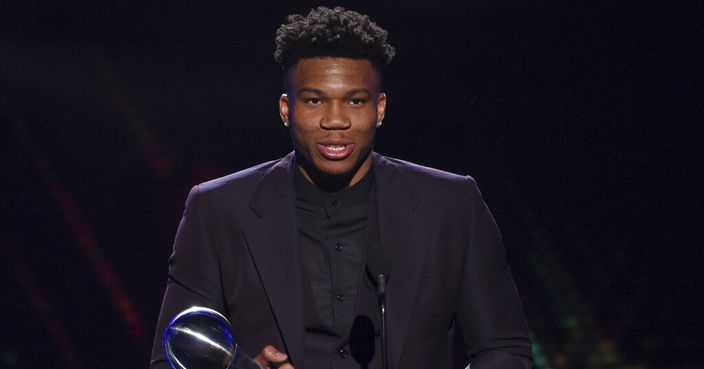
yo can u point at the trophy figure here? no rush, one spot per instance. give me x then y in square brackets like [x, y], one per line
[201, 338]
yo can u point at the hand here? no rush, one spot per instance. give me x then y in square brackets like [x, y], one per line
[271, 358]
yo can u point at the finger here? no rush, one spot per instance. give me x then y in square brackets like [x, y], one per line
[273, 355]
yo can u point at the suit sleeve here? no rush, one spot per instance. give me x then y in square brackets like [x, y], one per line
[489, 312]
[194, 277]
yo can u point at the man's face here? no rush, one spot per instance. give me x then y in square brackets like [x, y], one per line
[333, 107]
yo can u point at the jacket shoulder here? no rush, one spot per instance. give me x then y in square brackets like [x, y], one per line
[236, 186]
[444, 189]
[424, 174]
[243, 177]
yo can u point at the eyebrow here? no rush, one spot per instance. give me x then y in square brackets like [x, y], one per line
[321, 93]
[357, 91]
[311, 90]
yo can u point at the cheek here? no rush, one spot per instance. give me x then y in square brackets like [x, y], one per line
[305, 120]
[301, 136]
[369, 125]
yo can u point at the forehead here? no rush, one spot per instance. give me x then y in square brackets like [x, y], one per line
[333, 73]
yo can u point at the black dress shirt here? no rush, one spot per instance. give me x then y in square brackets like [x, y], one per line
[332, 235]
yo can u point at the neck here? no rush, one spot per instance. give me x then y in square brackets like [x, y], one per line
[334, 183]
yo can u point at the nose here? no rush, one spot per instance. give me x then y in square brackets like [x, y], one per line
[335, 117]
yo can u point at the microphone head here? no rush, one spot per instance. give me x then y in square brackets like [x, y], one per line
[199, 338]
[362, 340]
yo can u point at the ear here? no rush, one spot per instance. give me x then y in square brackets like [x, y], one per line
[380, 107]
[284, 108]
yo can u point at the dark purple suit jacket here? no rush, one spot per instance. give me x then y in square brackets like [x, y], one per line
[235, 252]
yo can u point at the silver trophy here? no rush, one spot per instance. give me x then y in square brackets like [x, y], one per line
[201, 338]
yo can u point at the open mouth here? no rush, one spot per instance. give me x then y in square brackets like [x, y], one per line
[336, 151]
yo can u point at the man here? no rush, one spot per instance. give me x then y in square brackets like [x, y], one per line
[284, 249]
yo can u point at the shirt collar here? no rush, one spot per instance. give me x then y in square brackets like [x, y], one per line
[308, 192]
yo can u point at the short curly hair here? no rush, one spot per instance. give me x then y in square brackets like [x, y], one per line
[333, 33]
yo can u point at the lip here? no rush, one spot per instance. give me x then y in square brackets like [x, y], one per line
[335, 153]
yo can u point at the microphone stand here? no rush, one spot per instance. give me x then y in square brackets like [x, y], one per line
[378, 266]
[381, 295]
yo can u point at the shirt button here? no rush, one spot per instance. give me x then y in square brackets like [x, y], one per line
[335, 202]
[344, 353]
[340, 298]
[338, 246]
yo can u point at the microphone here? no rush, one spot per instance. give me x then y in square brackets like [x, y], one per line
[201, 338]
[379, 266]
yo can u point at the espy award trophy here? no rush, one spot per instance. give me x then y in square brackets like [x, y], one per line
[201, 338]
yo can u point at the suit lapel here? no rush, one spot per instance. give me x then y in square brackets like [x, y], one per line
[271, 237]
[399, 224]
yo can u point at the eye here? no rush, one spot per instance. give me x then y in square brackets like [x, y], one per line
[312, 101]
[357, 101]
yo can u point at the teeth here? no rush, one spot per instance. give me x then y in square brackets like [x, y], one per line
[335, 147]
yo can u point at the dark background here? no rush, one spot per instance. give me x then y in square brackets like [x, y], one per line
[582, 123]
